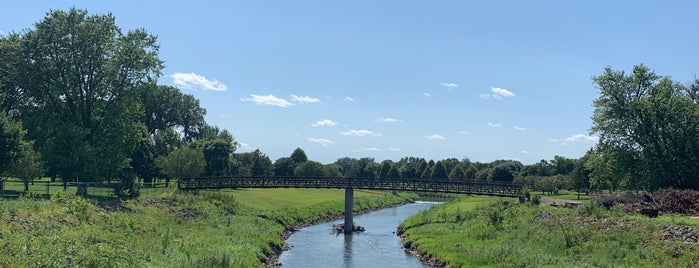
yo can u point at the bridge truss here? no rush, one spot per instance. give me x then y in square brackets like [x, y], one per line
[415, 185]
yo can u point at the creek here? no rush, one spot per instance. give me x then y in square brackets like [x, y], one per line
[379, 246]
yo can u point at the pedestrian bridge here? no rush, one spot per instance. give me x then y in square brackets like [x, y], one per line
[349, 184]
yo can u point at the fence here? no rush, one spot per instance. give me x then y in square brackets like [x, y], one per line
[42, 188]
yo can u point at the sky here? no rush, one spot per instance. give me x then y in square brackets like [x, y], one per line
[483, 80]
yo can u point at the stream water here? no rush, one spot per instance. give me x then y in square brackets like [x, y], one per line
[379, 246]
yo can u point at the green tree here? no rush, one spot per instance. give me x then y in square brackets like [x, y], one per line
[394, 173]
[284, 166]
[438, 171]
[217, 146]
[309, 169]
[11, 135]
[648, 128]
[253, 163]
[332, 170]
[81, 73]
[457, 173]
[27, 166]
[298, 156]
[185, 162]
[346, 164]
[385, 168]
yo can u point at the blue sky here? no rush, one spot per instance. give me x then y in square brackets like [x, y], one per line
[485, 80]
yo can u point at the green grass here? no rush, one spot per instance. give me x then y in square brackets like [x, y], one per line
[489, 232]
[170, 229]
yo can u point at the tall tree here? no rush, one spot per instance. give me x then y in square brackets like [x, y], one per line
[310, 169]
[11, 135]
[648, 127]
[81, 72]
[457, 173]
[298, 156]
[385, 168]
[184, 162]
[438, 171]
[284, 166]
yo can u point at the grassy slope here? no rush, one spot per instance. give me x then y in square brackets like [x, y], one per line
[211, 229]
[477, 232]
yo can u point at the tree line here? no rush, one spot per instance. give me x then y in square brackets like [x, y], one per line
[79, 101]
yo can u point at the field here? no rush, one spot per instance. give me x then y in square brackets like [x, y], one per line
[167, 229]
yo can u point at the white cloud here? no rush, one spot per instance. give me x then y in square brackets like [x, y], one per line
[497, 93]
[490, 124]
[267, 100]
[245, 147]
[349, 99]
[524, 152]
[225, 116]
[435, 137]
[502, 92]
[554, 140]
[463, 132]
[304, 99]
[427, 94]
[192, 80]
[449, 85]
[386, 120]
[2, 33]
[372, 149]
[519, 128]
[324, 123]
[394, 149]
[582, 137]
[321, 141]
[360, 133]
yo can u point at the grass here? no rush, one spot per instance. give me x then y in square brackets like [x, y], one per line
[14, 188]
[168, 229]
[491, 232]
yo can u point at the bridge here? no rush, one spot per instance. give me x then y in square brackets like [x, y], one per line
[349, 184]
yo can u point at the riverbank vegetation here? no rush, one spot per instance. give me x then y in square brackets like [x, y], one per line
[205, 229]
[492, 232]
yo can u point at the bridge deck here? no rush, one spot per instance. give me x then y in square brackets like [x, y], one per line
[416, 185]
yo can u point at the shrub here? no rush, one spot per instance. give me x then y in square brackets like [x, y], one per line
[536, 199]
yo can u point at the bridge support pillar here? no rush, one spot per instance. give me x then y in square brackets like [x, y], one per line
[349, 201]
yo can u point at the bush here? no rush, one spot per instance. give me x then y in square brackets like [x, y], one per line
[536, 199]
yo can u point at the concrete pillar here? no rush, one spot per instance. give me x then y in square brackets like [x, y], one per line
[349, 201]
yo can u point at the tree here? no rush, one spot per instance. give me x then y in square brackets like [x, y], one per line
[298, 156]
[217, 147]
[438, 171]
[310, 169]
[457, 173]
[648, 128]
[284, 166]
[394, 173]
[346, 164]
[253, 163]
[27, 166]
[81, 73]
[364, 168]
[332, 170]
[185, 162]
[11, 135]
[385, 168]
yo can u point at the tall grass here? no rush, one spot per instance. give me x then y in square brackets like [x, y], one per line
[171, 229]
[501, 233]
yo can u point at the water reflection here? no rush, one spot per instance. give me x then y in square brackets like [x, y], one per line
[318, 246]
[347, 256]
